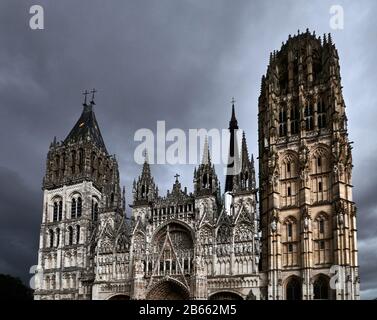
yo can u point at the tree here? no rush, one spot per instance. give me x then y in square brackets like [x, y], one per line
[12, 288]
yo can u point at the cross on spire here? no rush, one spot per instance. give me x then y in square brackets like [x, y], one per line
[93, 92]
[176, 177]
[85, 93]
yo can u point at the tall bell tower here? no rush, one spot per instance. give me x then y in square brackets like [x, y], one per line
[308, 217]
[81, 183]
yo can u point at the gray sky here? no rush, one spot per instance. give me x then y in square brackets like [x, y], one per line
[178, 61]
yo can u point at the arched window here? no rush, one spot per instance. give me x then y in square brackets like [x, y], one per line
[321, 226]
[321, 114]
[293, 289]
[63, 164]
[47, 283]
[51, 236]
[81, 160]
[57, 166]
[77, 234]
[321, 288]
[57, 237]
[308, 117]
[55, 216]
[70, 235]
[322, 240]
[205, 180]
[60, 210]
[143, 195]
[94, 171]
[291, 247]
[282, 123]
[79, 207]
[289, 230]
[73, 208]
[94, 210]
[73, 162]
[53, 283]
[295, 118]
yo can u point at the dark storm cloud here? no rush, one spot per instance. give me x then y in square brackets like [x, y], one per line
[178, 61]
[18, 224]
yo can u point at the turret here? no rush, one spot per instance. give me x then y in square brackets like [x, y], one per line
[205, 178]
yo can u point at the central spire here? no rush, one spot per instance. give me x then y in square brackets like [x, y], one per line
[233, 123]
[233, 151]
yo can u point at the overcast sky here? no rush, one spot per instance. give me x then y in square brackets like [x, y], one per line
[180, 61]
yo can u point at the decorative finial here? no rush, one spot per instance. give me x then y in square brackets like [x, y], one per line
[85, 93]
[233, 101]
[145, 155]
[329, 38]
[93, 92]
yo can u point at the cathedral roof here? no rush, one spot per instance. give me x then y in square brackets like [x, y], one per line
[86, 128]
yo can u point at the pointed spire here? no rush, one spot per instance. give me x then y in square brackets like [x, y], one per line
[146, 158]
[206, 158]
[233, 157]
[233, 124]
[145, 188]
[86, 128]
[146, 172]
[329, 38]
[205, 179]
[244, 151]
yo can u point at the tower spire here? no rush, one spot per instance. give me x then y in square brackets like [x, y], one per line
[206, 158]
[233, 151]
[233, 123]
[86, 127]
[244, 151]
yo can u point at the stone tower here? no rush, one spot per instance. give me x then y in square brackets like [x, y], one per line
[80, 185]
[308, 218]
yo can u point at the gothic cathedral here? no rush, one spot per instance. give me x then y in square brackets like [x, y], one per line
[207, 244]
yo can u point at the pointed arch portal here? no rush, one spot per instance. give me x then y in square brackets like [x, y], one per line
[168, 290]
[293, 289]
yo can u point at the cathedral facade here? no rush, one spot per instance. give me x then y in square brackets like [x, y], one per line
[207, 244]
